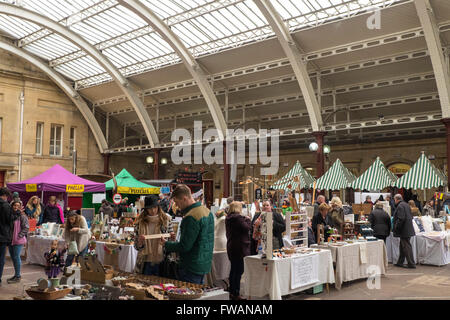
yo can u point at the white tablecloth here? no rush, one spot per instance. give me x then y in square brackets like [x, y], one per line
[432, 252]
[273, 277]
[221, 265]
[393, 248]
[127, 256]
[353, 260]
[37, 246]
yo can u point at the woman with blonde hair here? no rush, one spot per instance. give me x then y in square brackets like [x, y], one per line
[414, 209]
[34, 208]
[153, 220]
[337, 214]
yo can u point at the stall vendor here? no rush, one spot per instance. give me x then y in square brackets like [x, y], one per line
[52, 212]
[323, 219]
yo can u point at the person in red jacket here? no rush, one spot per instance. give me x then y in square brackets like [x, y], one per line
[238, 245]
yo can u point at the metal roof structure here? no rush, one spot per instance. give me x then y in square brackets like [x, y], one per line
[150, 66]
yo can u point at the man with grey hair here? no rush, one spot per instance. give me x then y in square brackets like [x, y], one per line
[404, 229]
[319, 201]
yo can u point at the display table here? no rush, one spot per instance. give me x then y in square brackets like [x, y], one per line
[220, 268]
[433, 250]
[393, 248]
[273, 277]
[37, 246]
[353, 259]
[126, 255]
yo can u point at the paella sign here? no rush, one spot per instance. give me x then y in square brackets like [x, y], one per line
[75, 188]
[131, 190]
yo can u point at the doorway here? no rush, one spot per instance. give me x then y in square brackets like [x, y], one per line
[2, 178]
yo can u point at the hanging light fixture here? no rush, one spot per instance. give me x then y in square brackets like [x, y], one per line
[326, 149]
[163, 160]
[149, 159]
[313, 146]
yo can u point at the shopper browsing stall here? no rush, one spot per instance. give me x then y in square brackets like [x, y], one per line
[380, 222]
[153, 220]
[404, 229]
[337, 214]
[319, 201]
[238, 245]
[5, 227]
[19, 230]
[196, 237]
[52, 212]
[76, 236]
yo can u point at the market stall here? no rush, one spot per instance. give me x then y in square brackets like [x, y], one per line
[423, 175]
[433, 248]
[54, 181]
[296, 178]
[376, 178]
[337, 177]
[282, 276]
[393, 248]
[357, 260]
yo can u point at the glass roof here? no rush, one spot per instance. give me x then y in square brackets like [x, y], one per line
[204, 27]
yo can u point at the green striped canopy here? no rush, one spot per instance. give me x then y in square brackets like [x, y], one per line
[441, 174]
[336, 178]
[422, 175]
[289, 181]
[376, 177]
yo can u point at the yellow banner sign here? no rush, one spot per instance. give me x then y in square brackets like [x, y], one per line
[128, 190]
[31, 187]
[75, 188]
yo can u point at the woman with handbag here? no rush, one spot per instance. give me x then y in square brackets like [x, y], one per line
[153, 220]
[76, 235]
[20, 228]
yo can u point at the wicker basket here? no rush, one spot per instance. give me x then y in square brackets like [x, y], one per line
[177, 296]
[49, 295]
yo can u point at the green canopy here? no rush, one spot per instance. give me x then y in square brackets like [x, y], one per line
[422, 175]
[336, 178]
[376, 177]
[127, 184]
[295, 178]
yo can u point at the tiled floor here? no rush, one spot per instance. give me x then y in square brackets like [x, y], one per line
[423, 283]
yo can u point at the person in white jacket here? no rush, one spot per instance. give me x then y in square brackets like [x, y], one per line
[76, 230]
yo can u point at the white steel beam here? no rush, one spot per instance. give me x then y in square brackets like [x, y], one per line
[76, 39]
[429, 117]
[64, 86]
[191, 64]
[431, 32]
[337, 90]
[270, 65]
[326, 111]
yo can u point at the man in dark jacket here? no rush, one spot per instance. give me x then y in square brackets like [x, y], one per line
[106, 208]
[320, 200]
[381, 222]
[196, 243]
[403, 228]
[5, 227]
[279, 225]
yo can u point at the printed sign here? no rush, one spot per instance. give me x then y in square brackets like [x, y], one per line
[165, 190]
[117, 198]
[31, 187]
[75, 188]
[128, 190]
[304, 271]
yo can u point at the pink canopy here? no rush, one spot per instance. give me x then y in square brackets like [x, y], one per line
[57, 179]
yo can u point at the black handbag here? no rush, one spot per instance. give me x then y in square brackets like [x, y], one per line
[168, 268]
